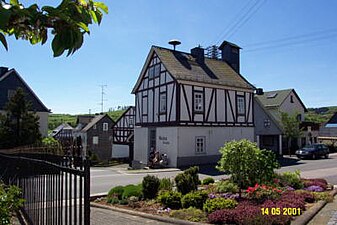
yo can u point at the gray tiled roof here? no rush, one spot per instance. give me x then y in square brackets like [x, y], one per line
[280, 96]
[92, 122]
[184, 67]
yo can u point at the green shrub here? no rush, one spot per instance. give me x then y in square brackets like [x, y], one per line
[246, 163]
[150, 186]
[194, 199]
[10, 200]
[226, 186]
[116, 192]
[208, 180]
[170, 199]
[188, 180]
[166, 184]
[292, 179]
[193, 171]
[214, 204]
[112, 200]
[326, 196]
[190, 214]
[132, 190]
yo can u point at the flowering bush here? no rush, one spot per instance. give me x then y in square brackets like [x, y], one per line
[314, 188]
[307, 195]
[261, 193]
[291, 200]
[230, 196]
[315, 182]
[247, 213]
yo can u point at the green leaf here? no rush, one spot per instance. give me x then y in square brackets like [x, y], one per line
[101, 6]
[4, 18]
[57, 46]
[93, 16]
[99, 16]
[14, 2]
[83, 26]
[3, 41]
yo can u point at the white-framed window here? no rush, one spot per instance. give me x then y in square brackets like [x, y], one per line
[10, 94]
[95, 140]
[200, 144]
[240, 101]
[131, 122]
[105, 126]
[156, 70]
[94, 127]
[151, 72]
[198, 102]
[162, 104]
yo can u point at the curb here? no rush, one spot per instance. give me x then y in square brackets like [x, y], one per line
[146, 215]
[149, 171]
[309, 214]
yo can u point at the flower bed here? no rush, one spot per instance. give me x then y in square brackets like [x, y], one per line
[222, 202]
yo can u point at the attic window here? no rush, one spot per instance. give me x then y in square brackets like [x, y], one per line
[291, 99]
[10, 94]
[272, 95]
[105, 126]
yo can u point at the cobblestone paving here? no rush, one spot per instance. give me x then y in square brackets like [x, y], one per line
[108, 217]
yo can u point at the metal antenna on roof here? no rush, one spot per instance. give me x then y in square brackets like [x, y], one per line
[102, 97]
[174, 42]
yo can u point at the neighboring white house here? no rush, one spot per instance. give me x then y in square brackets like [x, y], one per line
[10, 80]
[268, 126]
[188, 105]
[123, 135]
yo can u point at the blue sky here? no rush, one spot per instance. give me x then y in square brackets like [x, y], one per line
[115, 52]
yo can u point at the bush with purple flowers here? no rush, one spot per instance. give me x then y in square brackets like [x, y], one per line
[315, 182]
[314, 188]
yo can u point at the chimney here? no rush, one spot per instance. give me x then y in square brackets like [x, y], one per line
[199, 54]
[259, 91]
[230, 53]
[3, 70]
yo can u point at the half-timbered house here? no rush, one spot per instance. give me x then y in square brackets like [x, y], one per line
[188, 105]
[123, 135]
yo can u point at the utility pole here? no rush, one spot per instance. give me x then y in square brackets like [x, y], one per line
[102, 97]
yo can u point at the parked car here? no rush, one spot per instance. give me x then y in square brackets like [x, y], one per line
[313, 151]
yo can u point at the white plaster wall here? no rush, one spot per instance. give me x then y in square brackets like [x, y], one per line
[292, 108]
[120, 151]
[43, 123]
[141, 144]
[167, 142]
[216, 137]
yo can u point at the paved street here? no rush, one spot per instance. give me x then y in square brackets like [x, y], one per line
[102, 179]
[105, 216]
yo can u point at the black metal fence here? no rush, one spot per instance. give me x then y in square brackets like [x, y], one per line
[56, 191]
